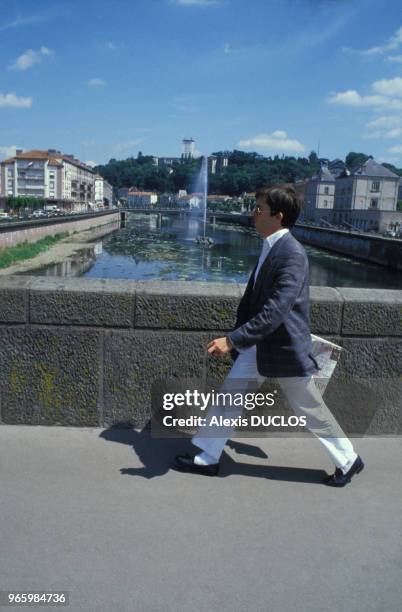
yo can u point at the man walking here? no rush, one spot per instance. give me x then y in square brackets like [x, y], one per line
[272, 339]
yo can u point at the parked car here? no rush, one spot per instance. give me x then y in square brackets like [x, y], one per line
[51, 209]
[390, 233]
[38, 213]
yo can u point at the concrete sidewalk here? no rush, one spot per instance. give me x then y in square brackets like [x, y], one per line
[99, 514]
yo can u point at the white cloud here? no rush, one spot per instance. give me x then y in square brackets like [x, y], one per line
[228, 49]
[96, 82]
[197, 2]
[385, 121]
[388, 135]
[277, 141]
[396, 149]
[279, 134]
[27, 20]
[11, 100]
[395, 58]
[393, 43]
[121, 147]
[385, 127]
[352, 98]
[57, 10]
[91, 163]
[111, 45]
[373, 135]
[388, 87]
[31, 57]
[6, 152]
[394, 133]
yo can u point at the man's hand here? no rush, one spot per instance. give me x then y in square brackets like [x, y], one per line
[219, 347]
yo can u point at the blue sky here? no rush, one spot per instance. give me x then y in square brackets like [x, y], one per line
[103, 79]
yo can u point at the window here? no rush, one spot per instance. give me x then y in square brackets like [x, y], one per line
[51, 185]
[375, 186]
[326, 190]
[374, 203]
[325, 203]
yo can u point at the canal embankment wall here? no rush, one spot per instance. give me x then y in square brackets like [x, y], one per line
[86, 352]
[32, 231]
[377, 249]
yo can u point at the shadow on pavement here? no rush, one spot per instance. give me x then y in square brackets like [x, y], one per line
[157, 456]
[241, 448]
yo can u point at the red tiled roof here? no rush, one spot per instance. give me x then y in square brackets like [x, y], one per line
[54, 158]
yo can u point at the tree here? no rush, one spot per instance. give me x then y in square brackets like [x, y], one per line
[393, 169]
[245, 172]
[354, 160]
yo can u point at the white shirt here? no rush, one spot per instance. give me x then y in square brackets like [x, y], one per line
[267, 245]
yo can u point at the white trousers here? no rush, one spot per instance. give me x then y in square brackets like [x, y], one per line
[304, 399]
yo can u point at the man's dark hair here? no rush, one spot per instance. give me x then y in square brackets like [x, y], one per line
[282, 198]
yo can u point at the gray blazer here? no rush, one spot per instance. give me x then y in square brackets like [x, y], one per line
[274, 315]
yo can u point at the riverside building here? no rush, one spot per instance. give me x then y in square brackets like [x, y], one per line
[319, 197]
[141, 199]
[51, 175]
[366, 198]
[103, 192]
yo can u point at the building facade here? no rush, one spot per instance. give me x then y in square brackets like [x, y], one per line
[319, 195]
[166, 161]
[141, 199]
[366, 198]
[188, 148]
[49, 175]
[217, 163]
[103, 192]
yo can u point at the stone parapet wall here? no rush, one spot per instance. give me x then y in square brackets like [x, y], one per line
[85, 352]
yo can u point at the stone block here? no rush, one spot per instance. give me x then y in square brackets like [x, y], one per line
[184, 305]
[89, 302]
[134, 361]
[371, 312]
[49, 376]
[365, 392]
[325, 310]
[13, 299]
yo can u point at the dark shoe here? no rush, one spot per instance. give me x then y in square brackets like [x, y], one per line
[185, 463]
[339, 479]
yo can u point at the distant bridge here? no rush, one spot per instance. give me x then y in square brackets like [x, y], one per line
[212, 215]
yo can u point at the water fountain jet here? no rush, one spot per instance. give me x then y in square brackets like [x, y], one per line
[202, 180]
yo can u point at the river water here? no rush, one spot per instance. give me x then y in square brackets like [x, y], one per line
[146, 249]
